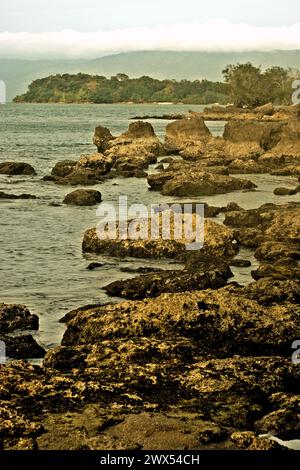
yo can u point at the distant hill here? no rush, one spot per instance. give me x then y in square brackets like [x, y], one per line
[158, 64]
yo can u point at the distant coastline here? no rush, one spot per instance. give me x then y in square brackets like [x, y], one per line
[96, 89]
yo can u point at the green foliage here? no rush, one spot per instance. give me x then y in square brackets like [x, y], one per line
[245, 85]
[83, 88]
[250, 86]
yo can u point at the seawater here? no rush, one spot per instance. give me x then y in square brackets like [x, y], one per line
[42, 264]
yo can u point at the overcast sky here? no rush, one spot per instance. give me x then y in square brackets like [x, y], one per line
[94, 27]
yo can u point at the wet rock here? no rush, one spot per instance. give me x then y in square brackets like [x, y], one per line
[16, 168]
[102, 138]
[181, 133]
[218, 240]
[14, 425]
[157, 431]
[83, 197]
[152, 285]
[138, 141]
[14, 196]
[283, 421]
[274, 230]
[97, 162]
[240, 263]
[203, 184]
[167, 160]
[190, 207]
[17, 317]
[108, 394]
[64, 168]
[141, 269]
[93, 266]
[289, 142]
[22, 347]
[248, 440]
[265, 134]
[222, 322]
[233, 206]
[268, 291]
[273, 250]
[89, 169]
[287, 170]
[285, 191]
[248, 166]
[283, 268]
[94, 429]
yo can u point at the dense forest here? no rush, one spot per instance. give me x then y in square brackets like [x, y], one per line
[244, 85]
[83, 88]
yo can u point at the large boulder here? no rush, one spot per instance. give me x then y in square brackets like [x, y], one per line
[102, 138]
[218, 241]
[288, 145]
[22, 347]
[274, 231]
[198, 183]
[83, 197]
[184, 132]
[89, 169]
[17, 317]
[14, 321]
[204, 273]
[264, 134]
[138, 141]
[221, 322]
[16, 168]
[63, 168]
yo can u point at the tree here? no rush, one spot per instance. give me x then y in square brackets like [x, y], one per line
[246, 84]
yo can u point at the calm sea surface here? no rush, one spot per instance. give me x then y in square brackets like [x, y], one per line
[42, 265]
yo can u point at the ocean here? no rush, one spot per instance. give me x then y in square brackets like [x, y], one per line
[42, 264]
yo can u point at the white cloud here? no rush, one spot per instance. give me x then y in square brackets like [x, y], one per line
[214, 35]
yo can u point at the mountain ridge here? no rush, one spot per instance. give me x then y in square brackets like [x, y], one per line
[19, 73]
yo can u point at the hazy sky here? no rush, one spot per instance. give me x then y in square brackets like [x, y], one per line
[93, 27]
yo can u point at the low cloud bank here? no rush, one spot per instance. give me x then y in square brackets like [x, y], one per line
[215, 35]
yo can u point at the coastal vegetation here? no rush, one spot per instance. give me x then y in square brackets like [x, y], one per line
[83, 88]
[244, 85]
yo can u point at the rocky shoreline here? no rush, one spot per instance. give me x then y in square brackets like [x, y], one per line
[189, 359]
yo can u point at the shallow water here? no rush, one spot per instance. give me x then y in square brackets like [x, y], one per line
[42, 265]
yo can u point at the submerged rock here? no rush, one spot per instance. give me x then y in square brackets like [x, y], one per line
[14, 196]
[285, 192]
[16, 168]
[83, 197]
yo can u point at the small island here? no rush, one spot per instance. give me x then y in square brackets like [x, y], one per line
[272, 85]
